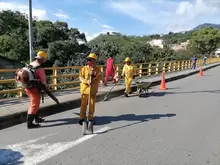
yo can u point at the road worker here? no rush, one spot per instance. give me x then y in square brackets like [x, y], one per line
[129, 72]
[35, 93]
[86, 85]
[194, 60]
[110, 69]
[204, 60]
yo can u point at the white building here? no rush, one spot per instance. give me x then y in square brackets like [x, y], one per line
[160, 43]
[217, 52]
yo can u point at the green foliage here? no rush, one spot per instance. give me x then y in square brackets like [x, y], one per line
[177, 38]
[62, 43]
[206, 40]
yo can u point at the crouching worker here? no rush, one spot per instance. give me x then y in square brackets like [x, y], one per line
[30, 77]
[89, 87]
[129, 72]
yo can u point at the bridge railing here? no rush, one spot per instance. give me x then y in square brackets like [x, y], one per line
[61, 78]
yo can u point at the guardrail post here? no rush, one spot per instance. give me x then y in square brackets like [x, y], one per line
[149, 69]
[102, 71]
[189, 65]
[178, 66]
[54, 80]
[20, 93]
[117, 70]
[157, 68]
[186, 65]
[140, 70]
[164, 67]
[182, 66]
[174, 66]
[169, 67]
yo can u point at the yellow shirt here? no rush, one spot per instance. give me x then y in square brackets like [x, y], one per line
[128, 71]
[84, 78]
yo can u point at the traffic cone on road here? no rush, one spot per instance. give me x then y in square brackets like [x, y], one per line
[163, 83]
[201, 72]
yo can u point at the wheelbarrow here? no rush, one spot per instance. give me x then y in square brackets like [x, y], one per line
[143, 87]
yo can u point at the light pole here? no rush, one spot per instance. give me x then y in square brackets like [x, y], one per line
[30, 32]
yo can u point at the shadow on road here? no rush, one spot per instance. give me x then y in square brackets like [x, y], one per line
[202, 91]
[129, 117]
[163, 93]
[60, 122]
[8, 156]
[102, 120]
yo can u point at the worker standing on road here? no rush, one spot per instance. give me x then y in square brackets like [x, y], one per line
[204, 60]
[194, 60]
[129, 72]
[34, 92]
[110, 69]
[86, 86]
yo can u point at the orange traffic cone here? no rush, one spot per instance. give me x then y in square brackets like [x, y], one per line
[201, 72]
[163, 83]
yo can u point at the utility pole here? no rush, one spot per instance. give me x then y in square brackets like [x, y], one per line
[30, 32]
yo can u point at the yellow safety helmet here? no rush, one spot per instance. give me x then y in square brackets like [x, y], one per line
[41, 55]
[127, 59]
[93, 56]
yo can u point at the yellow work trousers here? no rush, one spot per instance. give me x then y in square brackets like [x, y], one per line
[84, 103]
[128, 82]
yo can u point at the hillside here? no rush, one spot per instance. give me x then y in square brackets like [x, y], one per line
[199, 27]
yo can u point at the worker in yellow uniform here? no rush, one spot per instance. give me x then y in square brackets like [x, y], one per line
[129, 72]
[86, 85]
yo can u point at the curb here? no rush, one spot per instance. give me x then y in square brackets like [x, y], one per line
[18, 118]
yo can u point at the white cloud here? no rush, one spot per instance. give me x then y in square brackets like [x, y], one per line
[105, 26]
[60, 14]
[90, 36]
[169, 15]
[41, 14]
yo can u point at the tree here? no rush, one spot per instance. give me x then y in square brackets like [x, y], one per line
[68, 46]
[206, 40]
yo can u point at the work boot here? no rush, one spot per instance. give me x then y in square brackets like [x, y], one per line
[90, 127]
[38, 119]
[30, 124]
[126, 95]
[80, 122]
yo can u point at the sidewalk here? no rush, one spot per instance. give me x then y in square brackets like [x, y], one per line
[14, 111]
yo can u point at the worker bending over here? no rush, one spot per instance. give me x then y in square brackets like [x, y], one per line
[129, 72]
[86, 86]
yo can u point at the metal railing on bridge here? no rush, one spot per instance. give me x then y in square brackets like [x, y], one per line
[61, 78]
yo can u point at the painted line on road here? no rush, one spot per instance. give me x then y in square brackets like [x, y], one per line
[32, 154]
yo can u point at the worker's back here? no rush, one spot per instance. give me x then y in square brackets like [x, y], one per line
[109, 64]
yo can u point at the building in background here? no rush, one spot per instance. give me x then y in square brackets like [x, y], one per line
[157, 42]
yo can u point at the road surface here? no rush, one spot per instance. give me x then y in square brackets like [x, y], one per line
[177, 127]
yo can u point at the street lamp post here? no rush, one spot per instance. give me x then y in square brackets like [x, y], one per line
[30, 31]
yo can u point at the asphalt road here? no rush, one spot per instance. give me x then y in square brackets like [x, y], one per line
[177, 127]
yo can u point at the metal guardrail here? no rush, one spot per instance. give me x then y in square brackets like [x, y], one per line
[68, 76]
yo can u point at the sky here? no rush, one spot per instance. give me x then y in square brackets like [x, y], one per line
[130, 17]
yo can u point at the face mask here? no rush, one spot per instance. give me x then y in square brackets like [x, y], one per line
[90, 63]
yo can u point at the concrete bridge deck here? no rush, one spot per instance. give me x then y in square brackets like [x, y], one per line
[175, 127]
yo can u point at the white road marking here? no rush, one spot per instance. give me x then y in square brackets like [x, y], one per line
[28, 153]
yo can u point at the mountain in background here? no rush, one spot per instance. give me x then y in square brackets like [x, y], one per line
[217, 26]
